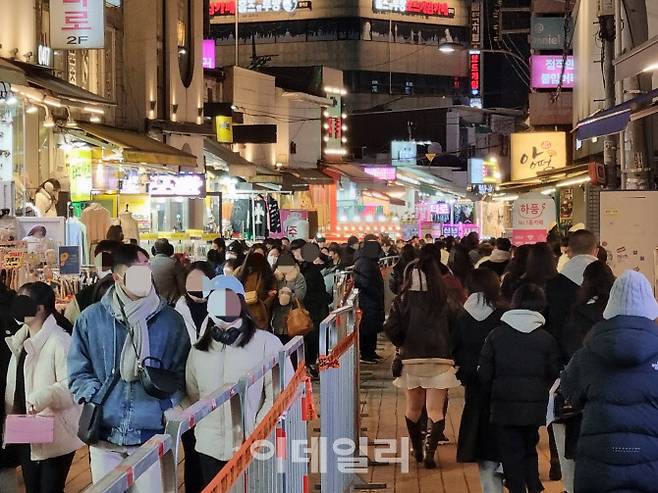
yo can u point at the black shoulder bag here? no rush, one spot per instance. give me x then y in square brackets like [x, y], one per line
[89, 427]
[158, 382]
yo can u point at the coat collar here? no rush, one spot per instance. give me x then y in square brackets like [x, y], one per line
[34, 344]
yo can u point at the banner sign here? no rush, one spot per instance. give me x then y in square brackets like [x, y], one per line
[227, 7]
[77, 24]
[532, 216]
[414, 7]
[546, 71]
[182, 185]
[537, 151]
[547, 33]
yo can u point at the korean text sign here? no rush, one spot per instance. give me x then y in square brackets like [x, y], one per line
[532, 216]
[77, 24]
[546, 71]
[533, 152]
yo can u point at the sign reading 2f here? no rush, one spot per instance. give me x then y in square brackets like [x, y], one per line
[77, 24]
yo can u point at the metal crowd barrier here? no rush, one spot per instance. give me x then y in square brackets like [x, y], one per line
[339, 397]
[283, 427]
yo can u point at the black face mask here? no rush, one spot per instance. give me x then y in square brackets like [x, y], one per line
[227, 337]
[23, 306]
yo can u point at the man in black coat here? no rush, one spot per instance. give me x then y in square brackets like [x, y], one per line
[369, 281]
[518, 364]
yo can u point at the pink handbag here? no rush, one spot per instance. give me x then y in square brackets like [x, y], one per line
[25, 428]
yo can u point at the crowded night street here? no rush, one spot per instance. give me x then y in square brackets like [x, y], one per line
[285, 246]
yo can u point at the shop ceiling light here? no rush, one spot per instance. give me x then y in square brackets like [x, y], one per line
[650, 68]
[505, 198]
[31, 109]
[97, 111]
[548, 191]
[49, 122]
[343, 116]
[335, 152]
[574, 181]
[95, 119]
[11, 100]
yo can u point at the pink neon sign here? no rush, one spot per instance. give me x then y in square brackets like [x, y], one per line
[547, 69]
[208, 50]
[386, 173]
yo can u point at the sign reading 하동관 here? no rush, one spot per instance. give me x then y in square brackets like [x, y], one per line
[532, 216]
[533, 152]
[77, 24]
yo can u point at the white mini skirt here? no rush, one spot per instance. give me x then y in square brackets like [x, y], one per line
[428, 373]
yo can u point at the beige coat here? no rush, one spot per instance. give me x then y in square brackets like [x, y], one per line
[46, 385]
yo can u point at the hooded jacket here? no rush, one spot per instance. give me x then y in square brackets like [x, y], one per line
[370, 283]
[519, 363]
[613, 378]
[496, 262]
[477, 440]
[561, 295]
[130, 415]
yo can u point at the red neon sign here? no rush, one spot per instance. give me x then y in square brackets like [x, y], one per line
[222, 7]
[428, 8]
[474, 64]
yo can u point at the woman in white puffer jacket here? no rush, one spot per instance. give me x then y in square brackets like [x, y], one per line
[37, 383]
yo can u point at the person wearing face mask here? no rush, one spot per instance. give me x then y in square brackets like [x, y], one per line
[37, 385]
[193, 307]
[257, 277]
[111, 338]
[85, 297]
[291, 287]
[273, 256]
[235, 251]
[229, 349]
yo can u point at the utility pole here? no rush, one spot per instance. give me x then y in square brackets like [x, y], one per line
[607, 34]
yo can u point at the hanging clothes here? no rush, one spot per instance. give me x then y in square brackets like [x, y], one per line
[129, 226]
[97, 220]
[76, 235]
[260, 217]
[274, 215]
[241, 217]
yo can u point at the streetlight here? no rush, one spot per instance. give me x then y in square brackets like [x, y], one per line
[453, 46]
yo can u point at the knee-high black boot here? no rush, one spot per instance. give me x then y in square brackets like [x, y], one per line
[416, 438]
[432, 441]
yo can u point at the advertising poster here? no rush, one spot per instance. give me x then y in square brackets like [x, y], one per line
[546, 70]
[69, 260]
[77, 24]
[533, 152]
[295, 224]
[80, 176]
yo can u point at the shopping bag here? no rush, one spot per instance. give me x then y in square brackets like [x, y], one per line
[25, 428]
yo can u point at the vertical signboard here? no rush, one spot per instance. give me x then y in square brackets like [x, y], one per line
[224, 129]
[474, 64]
[208, 50]
[334, 130]
[77, 24]
[476, 24]
[80, 174]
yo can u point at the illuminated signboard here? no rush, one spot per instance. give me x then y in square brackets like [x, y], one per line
[474, 64]
[77, 24]
[227, 7]
[476, 23]
[404, 152]
[547, 69]
[184, 185]
[386, 173]
[414, 7]
[334, 129]
[208, 50]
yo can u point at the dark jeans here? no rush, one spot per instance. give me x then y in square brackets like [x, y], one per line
[193, 480]
[368, 330]
[518, 453]
[44, 476]
[210, 468]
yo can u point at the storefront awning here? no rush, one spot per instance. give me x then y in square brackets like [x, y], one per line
[293, 184]
[350, 171]
[311, 176]
[42, 78]
[139, 148]
[11, 73]
[237, 165]
[376, 194]
[266, 175]
[615, 119]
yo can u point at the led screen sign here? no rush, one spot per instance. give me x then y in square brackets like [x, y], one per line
[414, 7]
[227, 7]
[546, 71]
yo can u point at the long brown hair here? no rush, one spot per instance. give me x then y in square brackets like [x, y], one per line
[486, 282]
[428, 264]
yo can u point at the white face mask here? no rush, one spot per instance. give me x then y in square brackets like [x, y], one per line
[137, 280]
[231, 256]
[272, 259]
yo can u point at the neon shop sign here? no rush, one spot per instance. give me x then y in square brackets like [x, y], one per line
[414, 7]
[227, 7]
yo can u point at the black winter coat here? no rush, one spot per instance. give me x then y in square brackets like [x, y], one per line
[317, 299]
[519, 369]
[477, 437]
[370, 283]
[397, 277]
[413, 326]
[561, 293]
[615, 379]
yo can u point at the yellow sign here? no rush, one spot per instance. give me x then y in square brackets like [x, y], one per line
[224, 129]
[79, 161]
[534, 152]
